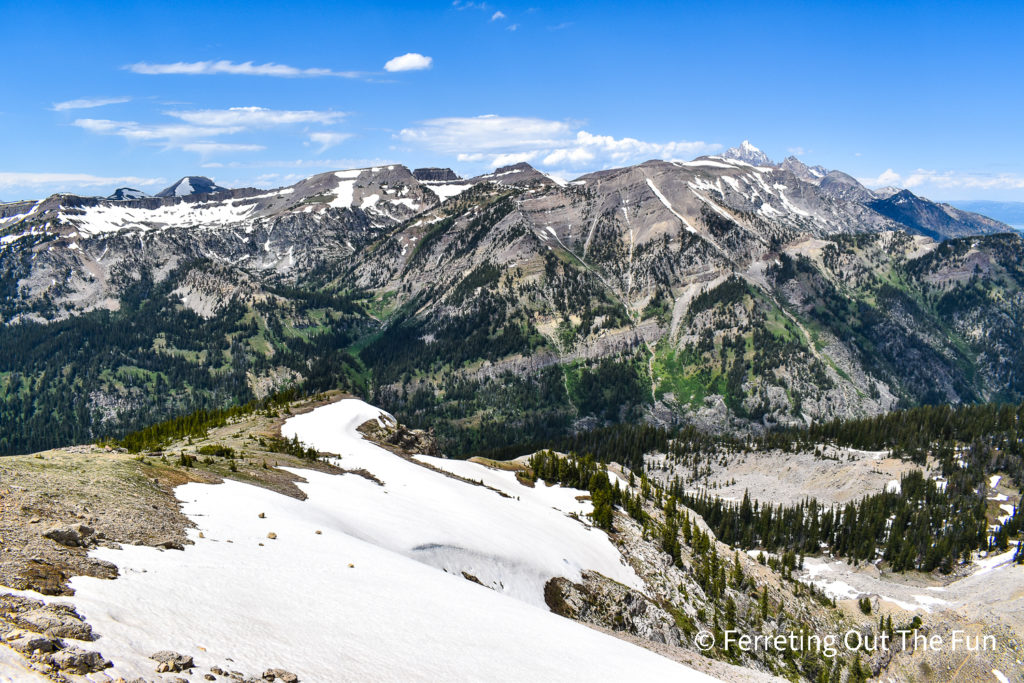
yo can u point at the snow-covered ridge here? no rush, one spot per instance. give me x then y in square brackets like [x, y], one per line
[350, 589]
[513, 544]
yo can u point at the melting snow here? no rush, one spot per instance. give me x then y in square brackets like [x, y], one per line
[353, 603]
[445, 191]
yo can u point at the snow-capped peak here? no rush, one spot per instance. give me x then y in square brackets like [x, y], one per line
[122, 193]
[749, 154]
[190, 185]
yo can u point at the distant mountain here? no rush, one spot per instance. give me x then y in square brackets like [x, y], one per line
[1011, 213]
[747, 153]
[123, 193]
[190, 185]
[937, 221]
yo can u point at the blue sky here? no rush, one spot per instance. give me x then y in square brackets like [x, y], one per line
[923, 95]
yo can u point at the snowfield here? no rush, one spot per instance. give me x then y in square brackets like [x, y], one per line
[378, 594]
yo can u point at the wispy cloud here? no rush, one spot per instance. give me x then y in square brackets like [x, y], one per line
[207, 148]
[946, 180]
[131, 130]
[89, 103]
[194, 130]
[13, 179]
[327, 140]
[255, 117]
[488, 133]
[411, 61]
[224, 66]
[499, 140]
[306, 164]
[497, 15]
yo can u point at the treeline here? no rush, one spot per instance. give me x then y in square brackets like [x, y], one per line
[198, 423]
[913, 431]
[920, 527]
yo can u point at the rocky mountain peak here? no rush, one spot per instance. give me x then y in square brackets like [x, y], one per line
[191, 185]
[435, 174]
[749, 154]
[809, 174]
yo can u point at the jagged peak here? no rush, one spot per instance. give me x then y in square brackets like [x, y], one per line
[749, 154]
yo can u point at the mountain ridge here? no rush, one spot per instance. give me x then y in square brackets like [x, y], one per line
[643, 280]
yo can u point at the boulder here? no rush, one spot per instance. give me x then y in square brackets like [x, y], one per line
[76, 660]
[168, 661]
[74, 536]
[280, 675]
[29, 643]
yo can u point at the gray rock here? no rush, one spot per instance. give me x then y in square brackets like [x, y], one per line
[76, 660]
[168, 661]
[74, 536]
[280, 675]
[58, 621]
[29, 643]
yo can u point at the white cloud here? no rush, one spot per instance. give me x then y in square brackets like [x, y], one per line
[797, 151]
[225, 66]
[327, 140]
[513, 27]
[255, 117]
[946, 180]
[513, 158]
[887, 177]
[207, 148]
[576, 155]
[496, 139]
[625, 149]
[497, 15]
[411, 61]
[10, 179]
[88, 103]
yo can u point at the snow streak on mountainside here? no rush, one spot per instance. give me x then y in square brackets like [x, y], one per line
[364, 579]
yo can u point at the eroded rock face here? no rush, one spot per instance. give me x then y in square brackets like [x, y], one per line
[58, 621]
[601, 601]
[36, 630]
[409, 441]
[435, 174]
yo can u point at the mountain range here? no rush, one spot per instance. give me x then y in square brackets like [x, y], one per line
[728, 292]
